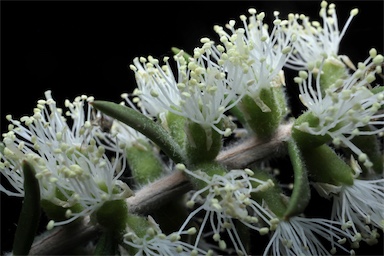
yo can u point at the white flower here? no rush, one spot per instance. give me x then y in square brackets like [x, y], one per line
[156, 86]
[41, 134]
[261, 54]
[301, 236]
[201, 92]
[224, 199]
[314, 40]
[347, 106]
[155, 242]
[72, 170]
[360, 206]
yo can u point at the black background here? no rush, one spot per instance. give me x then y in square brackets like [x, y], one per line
[76, 48]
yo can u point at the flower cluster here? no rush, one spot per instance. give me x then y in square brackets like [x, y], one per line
[154, 241]
[346, 107]
[226, 198]
[260, 53]
[73, 172]
[177, 119]
[201, 93]
[316, 41]
[303, 236]
[358, 207]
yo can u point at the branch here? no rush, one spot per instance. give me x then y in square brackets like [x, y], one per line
[160, 192]
[61, 239]
[253, 149]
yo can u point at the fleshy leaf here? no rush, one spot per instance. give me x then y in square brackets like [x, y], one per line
[203, 144]
[145, 164]
[107, 244]
[332, 70]
[30, 212]
[112, 215]
[262, 113]
[272, 196]
[301, 192]
[303, 138]
[175, 124]
[143, 124]
[370, 145]
[325, 166]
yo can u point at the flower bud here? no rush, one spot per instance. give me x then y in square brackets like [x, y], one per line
[262, 113]
[204, 143]
[144, 162]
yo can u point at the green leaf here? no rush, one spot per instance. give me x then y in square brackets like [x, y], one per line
[186, 56]
[143, 124]
[204, 143]
[301, 192]
[107, 244]
[112, 215]
[145, 164]
[2, 147]
[138, 224]
[325, 166]
[210, 168]
[304, 139]
[175, 124]
[30, 212]
[332, 71]
[272, 196]
[370, 145]
[262, 114]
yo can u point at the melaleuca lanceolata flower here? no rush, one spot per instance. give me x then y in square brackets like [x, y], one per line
[74, 173]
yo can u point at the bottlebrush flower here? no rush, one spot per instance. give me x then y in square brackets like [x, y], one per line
[260, 54]
[346, 107]
[314, 40]
[73, 172]
[360, 207]
[155, 242]
[201, 92]
[224, 199]
[304, 236]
